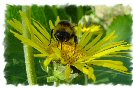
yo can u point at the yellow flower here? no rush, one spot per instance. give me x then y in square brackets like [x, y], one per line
[89, 50]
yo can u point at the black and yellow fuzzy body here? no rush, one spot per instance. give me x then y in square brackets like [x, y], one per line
[63, 32]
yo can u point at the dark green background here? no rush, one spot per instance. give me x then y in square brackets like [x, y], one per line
[15, 68]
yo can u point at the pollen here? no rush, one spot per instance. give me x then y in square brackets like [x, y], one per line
[70, 54]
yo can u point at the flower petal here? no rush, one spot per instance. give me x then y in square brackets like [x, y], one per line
[42, 29]
[40, 55]
[86, 70]
[101, 43]
[94, 41]
[115, 55]
[68, 71]
[28, 42]
[111, 50]
[51, 25]
[83, 38]
[57, 52]
[57, 20]
[93, 28]
[48, 60]
[42, 38]
[26, 21]
[16, 25]
[111, 45]
[38, 42]
[90, 73]
[115, 65]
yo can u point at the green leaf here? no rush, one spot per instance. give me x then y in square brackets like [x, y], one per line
[104, 80]
[62, 13]
[122, 27]
[15, 72]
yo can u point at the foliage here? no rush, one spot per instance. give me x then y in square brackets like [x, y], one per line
[15, 72]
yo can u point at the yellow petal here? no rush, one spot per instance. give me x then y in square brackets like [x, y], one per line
[93, 28]
[42, 29]
[40, 55]
[106, 61]
[57, 20]
[89, 70]
[48, 60]
[115, 65]
[115, 55]
[79, 66]
[111, 45]
[26, 21]
[86, 71]
[94, 41]
[68, 71]
[83, 38]
[101, 43]
[51, 25]
[28, 42]
[78, 30]
[16, 25]
[57, 52]
[111, 50]
[42, 38]
[86, 40]
[91, 74]
[38, 42]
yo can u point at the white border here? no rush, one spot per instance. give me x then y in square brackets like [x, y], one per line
[50, 2]
[61, 2]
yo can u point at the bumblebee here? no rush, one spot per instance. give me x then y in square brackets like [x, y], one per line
[63, 32]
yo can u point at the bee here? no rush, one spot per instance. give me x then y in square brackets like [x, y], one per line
[63, 32]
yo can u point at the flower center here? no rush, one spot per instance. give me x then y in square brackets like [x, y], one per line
[70, 54]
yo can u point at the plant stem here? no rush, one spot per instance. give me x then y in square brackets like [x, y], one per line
[28, 51]
[86, 79]
[57, 83]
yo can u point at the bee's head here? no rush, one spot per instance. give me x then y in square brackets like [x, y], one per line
[62, 36]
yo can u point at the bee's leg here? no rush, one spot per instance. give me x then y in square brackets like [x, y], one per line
[61, 45]
[58, 44]
[51, 34]
[57, 40]
[76, 41]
